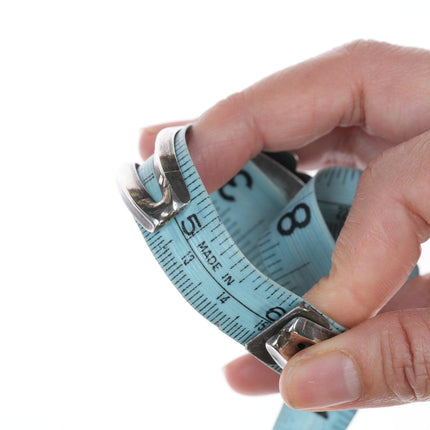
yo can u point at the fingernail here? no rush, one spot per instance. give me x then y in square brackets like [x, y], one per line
[321, 382]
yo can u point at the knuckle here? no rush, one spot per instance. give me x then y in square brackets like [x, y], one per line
[406, 358]
[416, 195]
[372, 175]
[238, 106]
[417, 153]
[360, 47]
[362, 59]
[232, 104]
[389, 177]
[379, 172]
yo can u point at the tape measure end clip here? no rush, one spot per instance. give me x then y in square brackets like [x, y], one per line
[299, 328]
[174, 192]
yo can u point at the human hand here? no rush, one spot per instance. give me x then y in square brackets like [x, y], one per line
[366, 105]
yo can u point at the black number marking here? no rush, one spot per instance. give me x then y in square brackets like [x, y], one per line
[275, 313]
[192, 224]
[232, 183]
[261, 325]
[188, 258]
[223, 297]
[303, 221]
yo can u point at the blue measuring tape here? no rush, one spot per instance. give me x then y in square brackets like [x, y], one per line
[244, 255]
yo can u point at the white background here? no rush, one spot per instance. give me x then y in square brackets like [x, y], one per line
[92, 334]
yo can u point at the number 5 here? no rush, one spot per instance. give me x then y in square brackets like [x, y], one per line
[192, 224]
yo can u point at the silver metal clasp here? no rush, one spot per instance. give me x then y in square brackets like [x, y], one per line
[299, 328]
[175, 196]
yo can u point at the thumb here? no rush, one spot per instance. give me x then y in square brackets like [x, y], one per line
[383, 361]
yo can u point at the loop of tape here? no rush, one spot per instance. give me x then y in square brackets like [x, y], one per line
[244, 255]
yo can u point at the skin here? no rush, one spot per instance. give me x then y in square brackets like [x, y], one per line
[367, 105]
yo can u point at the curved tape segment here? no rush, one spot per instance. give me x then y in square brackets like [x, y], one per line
[243, 256]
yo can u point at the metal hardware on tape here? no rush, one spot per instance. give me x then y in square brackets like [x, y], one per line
[245, 255]
[152, 215]
[297, 329]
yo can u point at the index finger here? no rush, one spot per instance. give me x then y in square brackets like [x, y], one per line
[381, 88]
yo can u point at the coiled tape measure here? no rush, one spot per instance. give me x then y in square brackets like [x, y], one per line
[244, 255]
